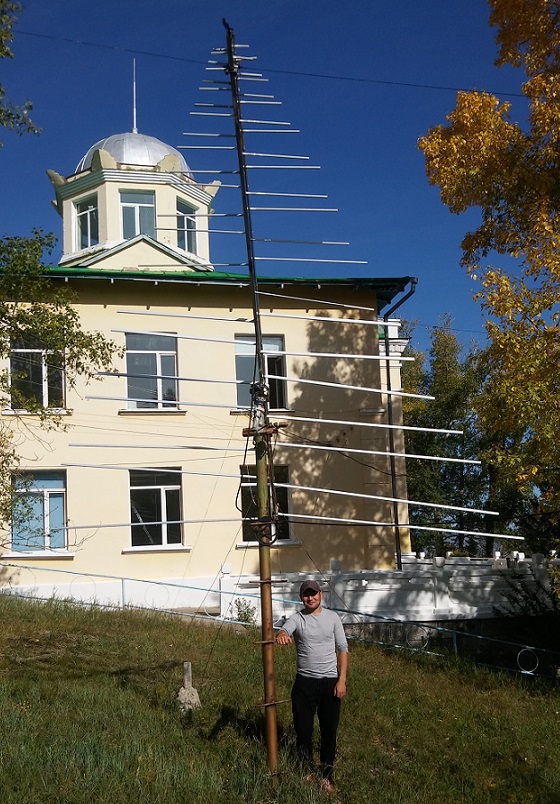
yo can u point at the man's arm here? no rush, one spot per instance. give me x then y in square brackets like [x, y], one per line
[340, 687]
[284, 635]
[283, 638]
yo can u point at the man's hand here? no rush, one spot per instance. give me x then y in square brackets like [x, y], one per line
[283, 638]
[340, 687]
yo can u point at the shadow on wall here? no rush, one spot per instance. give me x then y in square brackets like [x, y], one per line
[9, 577]
[355, 546]
[423, 592]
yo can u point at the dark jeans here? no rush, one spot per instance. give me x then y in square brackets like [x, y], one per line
[310, 696]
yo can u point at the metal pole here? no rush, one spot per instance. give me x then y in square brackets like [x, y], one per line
[398, 552]
[260, 428]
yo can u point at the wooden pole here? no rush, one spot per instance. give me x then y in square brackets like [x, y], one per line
[260, 428]
[267, 630]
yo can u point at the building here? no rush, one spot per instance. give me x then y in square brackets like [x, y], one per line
[145, 482]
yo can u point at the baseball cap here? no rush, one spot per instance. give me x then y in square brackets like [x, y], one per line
[309, 584]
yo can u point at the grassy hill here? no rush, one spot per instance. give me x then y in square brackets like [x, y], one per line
[88, 713]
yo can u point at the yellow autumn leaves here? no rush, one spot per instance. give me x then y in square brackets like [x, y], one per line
[511, 173]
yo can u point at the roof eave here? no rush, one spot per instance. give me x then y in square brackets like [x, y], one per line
[387, 288]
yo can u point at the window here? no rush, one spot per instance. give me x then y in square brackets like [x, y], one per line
[39, 512]
[36, 375]
[151, 367]
[186, 227]
[245, 369]
[138, 213]
[87, 222]
[155, 507]
[249, 504]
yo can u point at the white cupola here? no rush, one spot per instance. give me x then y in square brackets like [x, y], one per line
[133, 202]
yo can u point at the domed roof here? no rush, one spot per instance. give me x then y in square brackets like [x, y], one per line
[132, 148]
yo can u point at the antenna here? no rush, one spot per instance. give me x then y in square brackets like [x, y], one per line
[134, 129]
[260, 429]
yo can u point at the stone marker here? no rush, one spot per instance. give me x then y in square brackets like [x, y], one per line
[187, 696]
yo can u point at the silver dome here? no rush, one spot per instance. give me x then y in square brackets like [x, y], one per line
[133, 149]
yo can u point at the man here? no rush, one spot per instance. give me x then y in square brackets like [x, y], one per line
[320, 683]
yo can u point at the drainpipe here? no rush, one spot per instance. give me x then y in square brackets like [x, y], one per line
[388, 314]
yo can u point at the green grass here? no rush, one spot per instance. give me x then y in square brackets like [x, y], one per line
[88, 713]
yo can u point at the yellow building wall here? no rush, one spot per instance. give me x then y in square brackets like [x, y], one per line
[101, 432]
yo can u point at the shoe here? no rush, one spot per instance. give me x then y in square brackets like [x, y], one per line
[310, 778]
[327, 786]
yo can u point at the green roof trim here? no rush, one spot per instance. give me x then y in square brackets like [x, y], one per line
[386, 287]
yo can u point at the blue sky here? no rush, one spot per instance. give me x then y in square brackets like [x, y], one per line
[361, 80]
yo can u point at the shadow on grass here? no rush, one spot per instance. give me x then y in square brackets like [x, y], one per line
[55, 659]
[245, 724]
[32, 660]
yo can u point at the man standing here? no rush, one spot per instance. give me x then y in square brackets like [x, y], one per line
[320, 683]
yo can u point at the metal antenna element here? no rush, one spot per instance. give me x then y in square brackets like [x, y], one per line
[134, 129]
[260, 429]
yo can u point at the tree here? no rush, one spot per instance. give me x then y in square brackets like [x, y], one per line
[12, 116]
[35, 312]
[453, 376]
[512, 174]
[453, 382]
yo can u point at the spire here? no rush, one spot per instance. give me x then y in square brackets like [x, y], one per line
[134, 129]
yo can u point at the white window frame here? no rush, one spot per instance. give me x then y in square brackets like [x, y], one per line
[46, 495]
[43, 359]
[89, 215]
[186, 226]
[162, 524]
[244, 348]
[136, 206]
[160, 376]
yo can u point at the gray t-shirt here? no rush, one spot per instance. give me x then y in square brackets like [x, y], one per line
[318, 637]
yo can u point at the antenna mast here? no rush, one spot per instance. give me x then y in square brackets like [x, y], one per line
[260, 429]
